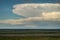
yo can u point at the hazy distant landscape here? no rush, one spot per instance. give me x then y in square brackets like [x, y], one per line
[30, 31]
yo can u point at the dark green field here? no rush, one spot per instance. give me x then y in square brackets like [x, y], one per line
[29, 38]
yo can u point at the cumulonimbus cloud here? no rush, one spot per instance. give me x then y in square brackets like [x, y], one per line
[35, 13]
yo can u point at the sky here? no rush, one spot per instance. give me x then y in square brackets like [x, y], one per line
[29, 14]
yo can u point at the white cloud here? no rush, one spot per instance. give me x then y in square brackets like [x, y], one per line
[51, 15]
[35, 9]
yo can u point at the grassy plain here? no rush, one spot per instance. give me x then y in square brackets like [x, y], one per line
[29, 38]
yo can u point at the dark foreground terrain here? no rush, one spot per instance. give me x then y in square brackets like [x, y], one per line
[29, 34]
[29, 38]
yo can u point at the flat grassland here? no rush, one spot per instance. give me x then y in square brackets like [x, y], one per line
[29, 38]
